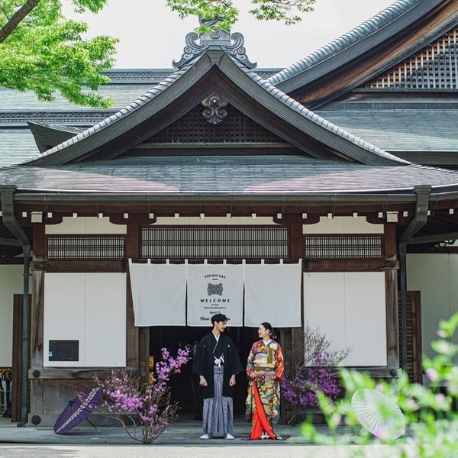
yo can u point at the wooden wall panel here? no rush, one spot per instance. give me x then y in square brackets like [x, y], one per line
[414, 346]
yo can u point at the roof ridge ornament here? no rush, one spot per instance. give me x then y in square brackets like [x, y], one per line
[238, 51]
[196, 44]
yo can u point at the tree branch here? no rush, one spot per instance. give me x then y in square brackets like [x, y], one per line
[17, 18]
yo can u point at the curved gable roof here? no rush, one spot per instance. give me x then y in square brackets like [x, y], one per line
[367, 149]
[372, 47]
[80, 143]
[266, 96]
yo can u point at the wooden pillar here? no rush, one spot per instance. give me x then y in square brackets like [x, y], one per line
[296, 251]
[134, 354]
[391, 288]
[37, 306]
[39, 255]
[296, 241]
[16, 382]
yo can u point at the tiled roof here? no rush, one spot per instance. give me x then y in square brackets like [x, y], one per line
[375, 30]
[127, 85]
[272, 175]
[63, 128]
[23, 102]
[433, 130]
[110, 120]
[16, 146]
[299, 117]
[155, 75]
[366, 147]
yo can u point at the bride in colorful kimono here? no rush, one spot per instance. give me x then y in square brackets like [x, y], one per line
[264, 370]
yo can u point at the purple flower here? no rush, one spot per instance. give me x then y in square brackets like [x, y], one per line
[148, 406]
[300, 390]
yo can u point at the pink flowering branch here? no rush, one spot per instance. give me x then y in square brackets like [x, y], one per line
[144, 411]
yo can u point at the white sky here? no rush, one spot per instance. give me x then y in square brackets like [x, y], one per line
[152, 36]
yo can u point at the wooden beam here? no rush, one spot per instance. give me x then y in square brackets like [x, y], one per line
[73, 373]
[39, 246]
[69, 265]
[216, 145]
[349, 265]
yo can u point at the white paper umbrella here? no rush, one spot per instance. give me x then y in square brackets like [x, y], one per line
[379, 414]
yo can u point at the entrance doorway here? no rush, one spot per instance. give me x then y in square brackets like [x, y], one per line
[184, 386]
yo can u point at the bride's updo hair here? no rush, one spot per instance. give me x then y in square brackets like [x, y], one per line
[268, 327]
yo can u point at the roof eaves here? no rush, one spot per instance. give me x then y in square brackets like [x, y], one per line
[56, 127]
[323, 123]
[371, 32]
[47, 157]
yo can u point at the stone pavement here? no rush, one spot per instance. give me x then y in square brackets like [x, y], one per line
[182, 439]
[183, 432]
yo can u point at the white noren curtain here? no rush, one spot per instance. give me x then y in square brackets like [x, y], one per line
[273, 294]
[215, 288]
[158, 294]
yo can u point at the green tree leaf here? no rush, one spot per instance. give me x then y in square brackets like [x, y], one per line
[47, 53]
[287, 11]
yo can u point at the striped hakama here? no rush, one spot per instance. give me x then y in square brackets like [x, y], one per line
[218, 412]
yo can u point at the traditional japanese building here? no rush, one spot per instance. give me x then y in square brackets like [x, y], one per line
[321, 194]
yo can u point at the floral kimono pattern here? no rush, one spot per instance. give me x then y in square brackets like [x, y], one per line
[265, 365]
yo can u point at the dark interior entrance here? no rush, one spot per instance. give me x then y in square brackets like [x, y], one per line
[185, 389]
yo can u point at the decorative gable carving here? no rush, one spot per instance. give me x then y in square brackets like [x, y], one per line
[214, 112]
[194, 128]
[434, 67]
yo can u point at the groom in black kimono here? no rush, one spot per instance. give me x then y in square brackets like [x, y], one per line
[216, 363]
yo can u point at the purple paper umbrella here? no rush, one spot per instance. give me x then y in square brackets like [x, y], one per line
[77, 410]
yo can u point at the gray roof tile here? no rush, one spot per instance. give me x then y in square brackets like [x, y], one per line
[401, 130]
[314, 117]
[212, 175]
[16, 146]
[368, 154]
[26, 101]
[368, 28]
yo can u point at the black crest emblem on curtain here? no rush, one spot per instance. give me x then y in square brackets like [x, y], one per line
[215, 289]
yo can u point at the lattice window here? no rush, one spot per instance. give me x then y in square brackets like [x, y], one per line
[85, 247]
[434, 67]
[214, 242]
[235, 128]
[343, 246]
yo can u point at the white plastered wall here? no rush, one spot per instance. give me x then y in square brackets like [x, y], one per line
[436, 277]
[348, 307]
[90, 308]
[11, 283]
[86, 225]
[343, 225]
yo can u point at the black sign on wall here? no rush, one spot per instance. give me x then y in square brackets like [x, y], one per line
[64, 350]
